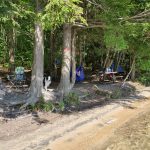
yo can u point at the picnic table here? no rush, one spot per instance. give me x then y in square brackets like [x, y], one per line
[110, 76]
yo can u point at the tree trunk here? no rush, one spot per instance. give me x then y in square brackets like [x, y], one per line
[106, 59]
[38, 64]
[133, 68]
[73, 60]
[80, 51]
[37, 69]
[11, 47]
[51, 54]
[65, 86]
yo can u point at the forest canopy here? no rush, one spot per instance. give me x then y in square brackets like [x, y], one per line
[88, 32]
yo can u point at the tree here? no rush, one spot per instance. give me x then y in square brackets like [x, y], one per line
[65, 85]
[64, 13]
[16, 30]
[38, 59]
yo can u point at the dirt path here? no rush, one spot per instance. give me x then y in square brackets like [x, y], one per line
[97, 132]
[84, 130]
[133, 135]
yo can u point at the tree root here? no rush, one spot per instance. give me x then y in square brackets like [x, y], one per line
[30, 101]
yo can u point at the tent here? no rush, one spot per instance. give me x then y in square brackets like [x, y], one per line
[79, 74]
[120, 69]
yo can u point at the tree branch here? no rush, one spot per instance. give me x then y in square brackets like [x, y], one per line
[94, 3]
[141, 17]
[89, 25]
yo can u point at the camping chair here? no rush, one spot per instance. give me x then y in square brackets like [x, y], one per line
[18, 79]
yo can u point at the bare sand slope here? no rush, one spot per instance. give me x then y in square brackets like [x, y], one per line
[90, 129]
[95, 134]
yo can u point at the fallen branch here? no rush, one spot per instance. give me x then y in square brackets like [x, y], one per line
[101, 91]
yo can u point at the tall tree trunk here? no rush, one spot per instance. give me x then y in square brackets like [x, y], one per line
[117, 61]
[37, 69]
[106, 59]
[73, 60]
[51, 53]
[133, 68]
[11, 47]
[38, 63]
[80, 50]
[65, 86]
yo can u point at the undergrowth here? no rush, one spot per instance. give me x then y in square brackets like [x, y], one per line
[145, 80]
[122, 92]
[69, 102]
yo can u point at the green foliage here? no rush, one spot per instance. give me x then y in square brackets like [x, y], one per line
[122, 92]
[115, 10]
[3, 51]
[41, 105]
[114, 32]
[58, 12]
[115, 40]
[145, 79]
[116, 94]
[71, 100]
[137, 36]
[144, 63]
[18, 17]
[61, 106]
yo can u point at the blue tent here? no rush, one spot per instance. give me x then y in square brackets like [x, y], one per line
[120, 69]
[112, 66]
[79, 74]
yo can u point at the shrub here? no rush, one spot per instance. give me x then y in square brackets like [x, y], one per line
[145, 80]
[71, 100]
[116, 94]
[41, 105]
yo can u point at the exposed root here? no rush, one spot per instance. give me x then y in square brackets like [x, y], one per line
[30, 101]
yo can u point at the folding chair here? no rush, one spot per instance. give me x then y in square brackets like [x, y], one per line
[17, 80]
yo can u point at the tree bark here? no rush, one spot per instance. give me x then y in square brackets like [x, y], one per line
[51, 54]
[38, 64]
[11, 47]
[133, 68]
[37, 69]
[128, 74]
[65, 86]
[80, 51]
[106, 59]
[73, 60]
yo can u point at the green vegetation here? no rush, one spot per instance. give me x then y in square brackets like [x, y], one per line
[99, 32]
[72, 100]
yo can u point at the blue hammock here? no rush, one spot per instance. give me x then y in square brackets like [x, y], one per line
[79, 74]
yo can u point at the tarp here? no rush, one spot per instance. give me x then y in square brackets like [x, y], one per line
[119, 69]
[80, 74]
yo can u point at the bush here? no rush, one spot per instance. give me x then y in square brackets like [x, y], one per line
[145, 80]
[122, 92]
[116, 94]
[71, 100]
[41, 105]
